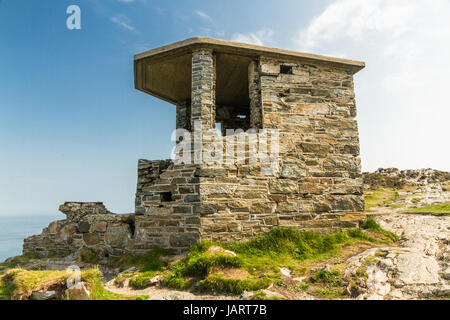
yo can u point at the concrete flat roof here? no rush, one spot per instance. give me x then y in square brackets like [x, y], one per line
[165, 73]
[245, 48]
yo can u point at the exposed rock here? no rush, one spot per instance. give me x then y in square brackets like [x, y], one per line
[220, 250]
[443, 292]
[118, 236]
[412, 271]
[154, 281]
[417, 268]
[129, 270]
[446, 274]
[178, 295]
[84, 227]
[43, 295]
[285, 272]
[99, 226]
[395, 178]
[246, 295]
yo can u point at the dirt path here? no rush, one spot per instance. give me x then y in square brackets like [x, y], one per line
[418, 268]
[157, 293]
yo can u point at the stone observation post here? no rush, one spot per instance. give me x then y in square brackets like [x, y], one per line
[302, 104]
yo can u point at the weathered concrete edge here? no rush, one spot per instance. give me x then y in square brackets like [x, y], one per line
[246, 49]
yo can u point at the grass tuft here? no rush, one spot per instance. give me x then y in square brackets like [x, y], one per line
[441, 209]
[219, 284]
[88, 255]
[150, 261]
[373, 226]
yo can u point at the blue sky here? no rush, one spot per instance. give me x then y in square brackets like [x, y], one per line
[72, 126]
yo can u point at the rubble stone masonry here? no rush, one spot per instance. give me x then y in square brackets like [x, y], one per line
[317, 185]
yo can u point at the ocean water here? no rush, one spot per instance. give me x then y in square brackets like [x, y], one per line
[13, 229]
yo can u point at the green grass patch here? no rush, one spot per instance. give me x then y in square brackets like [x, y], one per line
[262, 257]
[148, 266]
[140, 280]
[373, 226]
[443, 209]
[380, 197]
[327, 277]
[58, 255]
[150, 261]
[261, 295]
[175, 281]
[219, 284]
[17, 282]
[327, 284]
[98, 292]
[20, 260]
[6, 289]
[331, 292]
[197, 264]
[298, 245]
[88, 255]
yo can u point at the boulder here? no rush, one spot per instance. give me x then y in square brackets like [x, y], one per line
[118, 236]
[84, 227]
[220, 250]
[43, 295]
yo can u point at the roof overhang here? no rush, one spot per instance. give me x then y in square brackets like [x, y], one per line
[165, 72]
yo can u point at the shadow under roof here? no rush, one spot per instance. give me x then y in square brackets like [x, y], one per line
[165, 72]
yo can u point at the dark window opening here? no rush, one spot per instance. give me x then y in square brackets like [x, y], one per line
[166, 196]
[285, 69]
[231, 117]
[232, 93]
[131, 223]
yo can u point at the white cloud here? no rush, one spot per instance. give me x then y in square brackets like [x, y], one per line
[402, 94]
[261, 37]
[123, 22]
[202, 14]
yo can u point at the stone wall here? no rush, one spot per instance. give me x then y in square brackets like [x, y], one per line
[167, 205]
[88, 225]
[319, 184]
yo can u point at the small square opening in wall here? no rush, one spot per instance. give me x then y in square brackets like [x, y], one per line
[285, 69]
[166, 196]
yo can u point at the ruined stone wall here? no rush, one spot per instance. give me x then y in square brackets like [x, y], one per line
[88, 225]
[167, 206]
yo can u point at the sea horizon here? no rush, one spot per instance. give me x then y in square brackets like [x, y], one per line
[15, 228]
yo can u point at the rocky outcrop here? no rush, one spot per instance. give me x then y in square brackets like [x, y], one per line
[414, 188]
[395, 178]
[417, 269]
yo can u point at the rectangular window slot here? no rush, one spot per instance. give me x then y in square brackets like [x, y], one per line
[166, 196]
[285, 69]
